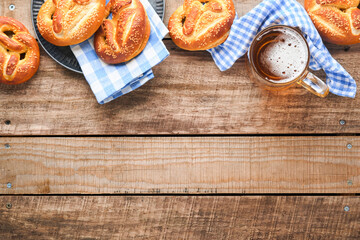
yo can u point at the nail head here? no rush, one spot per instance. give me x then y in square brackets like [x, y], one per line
[7, 146]
[349, 146]
[8, 185]
[11, 7]
[349, 182]
[342, 122]
[8, 205]
[346, 208]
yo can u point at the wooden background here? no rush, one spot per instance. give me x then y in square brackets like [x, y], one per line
[194, 154]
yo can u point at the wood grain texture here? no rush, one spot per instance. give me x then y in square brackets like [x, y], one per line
[180, 165]
[186, 217]
[188, 96]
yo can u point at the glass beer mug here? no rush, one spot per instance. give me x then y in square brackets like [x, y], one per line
[279, 57]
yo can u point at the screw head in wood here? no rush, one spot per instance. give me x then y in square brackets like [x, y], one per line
[8, 205]
[7, 146]
[8, 185]
[346, 208]
[342, 122]
[11, 7]
[349, 146]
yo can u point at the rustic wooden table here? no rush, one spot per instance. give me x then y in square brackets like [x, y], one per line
[194, 154]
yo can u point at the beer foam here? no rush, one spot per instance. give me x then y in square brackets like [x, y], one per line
[285, 57]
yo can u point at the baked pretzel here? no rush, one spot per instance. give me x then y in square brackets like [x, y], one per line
[19, 52]
[338, 21]
[201, 24]
[68, 22]
[125, 35]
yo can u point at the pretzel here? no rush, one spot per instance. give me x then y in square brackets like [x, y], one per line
[338, 21]
[19, 52]
[68, 22]
[201, 24]
[125, 35]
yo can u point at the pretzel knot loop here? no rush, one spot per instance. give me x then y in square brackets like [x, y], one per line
[125, 35]
[338, 21]
[19, 52]
[201, 24]
[68, 22]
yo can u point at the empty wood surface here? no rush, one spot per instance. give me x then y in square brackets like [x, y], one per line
[180, 217]
[180, 165]
[188, 96]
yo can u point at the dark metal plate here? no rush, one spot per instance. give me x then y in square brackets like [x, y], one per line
[64, 55]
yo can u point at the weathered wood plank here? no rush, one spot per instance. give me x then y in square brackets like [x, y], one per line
[180, 165]
[186, 217]
[189, 96]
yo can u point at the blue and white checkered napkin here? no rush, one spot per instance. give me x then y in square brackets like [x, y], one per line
[112, 81]
[291, 13]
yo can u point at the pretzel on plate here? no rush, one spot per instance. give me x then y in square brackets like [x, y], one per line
[68, 22]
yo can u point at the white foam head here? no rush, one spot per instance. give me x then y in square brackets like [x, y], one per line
[286, 56]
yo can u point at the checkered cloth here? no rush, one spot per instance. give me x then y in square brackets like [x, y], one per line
[286, 12]
[112, 81]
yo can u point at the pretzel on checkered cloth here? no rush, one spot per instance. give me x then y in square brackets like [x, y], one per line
[124, 36]
[69, 22]
[201, 24]
[338, 21]
[19, 52]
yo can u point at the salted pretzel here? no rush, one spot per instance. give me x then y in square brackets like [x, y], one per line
[68, 22]
[201, 24]
[338, 21]
[125, 35]
[19, 52]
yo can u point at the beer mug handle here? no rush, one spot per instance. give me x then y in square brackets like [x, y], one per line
[315, 85]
